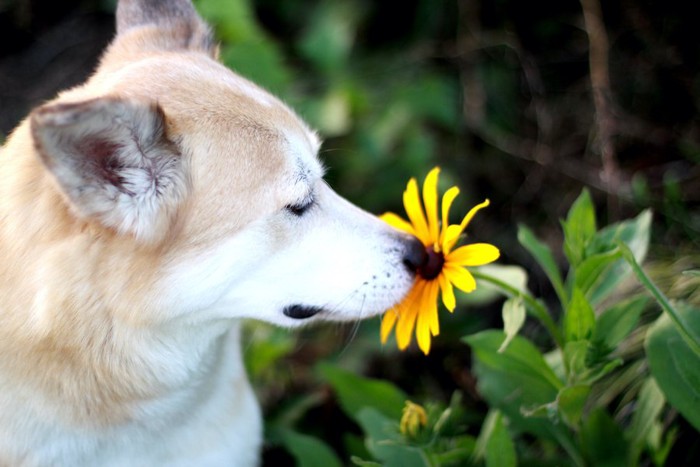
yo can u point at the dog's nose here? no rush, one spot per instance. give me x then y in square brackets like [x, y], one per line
[414, 256]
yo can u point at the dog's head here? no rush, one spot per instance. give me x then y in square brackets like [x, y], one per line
[165, 154]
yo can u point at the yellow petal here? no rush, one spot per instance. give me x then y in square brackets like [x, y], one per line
[407, 315]
[447, 200]
[397, 222]
[476, 254]
[412, 204]
[430, 198]
[388, 322]
[460, 277]
[448, 293]
[453, 234]
[423, 330]
[431, 298]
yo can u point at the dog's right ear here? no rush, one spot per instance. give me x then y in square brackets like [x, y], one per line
[114, 162]
[180, 27]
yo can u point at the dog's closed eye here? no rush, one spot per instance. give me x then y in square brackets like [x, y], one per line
[302, 207]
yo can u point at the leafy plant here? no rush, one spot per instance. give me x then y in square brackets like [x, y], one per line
[548, 395]
[596, 388]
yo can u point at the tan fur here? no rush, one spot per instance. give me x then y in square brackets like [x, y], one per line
[100, 336]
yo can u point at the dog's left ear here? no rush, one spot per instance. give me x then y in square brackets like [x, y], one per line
[114, 162]
[178, 24]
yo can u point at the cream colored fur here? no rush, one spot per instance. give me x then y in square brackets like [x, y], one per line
[142, 215]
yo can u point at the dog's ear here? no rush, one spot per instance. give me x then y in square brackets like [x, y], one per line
[180, 27]
[114, 162]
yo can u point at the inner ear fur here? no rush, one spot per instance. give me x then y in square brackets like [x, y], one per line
[114, 162]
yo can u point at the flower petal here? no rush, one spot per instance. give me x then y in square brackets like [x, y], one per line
[388, 322]
[453, 234]
[414, 209]
[407, 315]
[423, 331]
[427, 322]
[431, 298]
[447, 200]
[460, 277]
[430, 198]
[476, 254]
[448, 293]
[396, 221]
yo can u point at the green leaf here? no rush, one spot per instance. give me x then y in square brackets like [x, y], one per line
[385, 442]
[356, 392]
[615, 323]
[265, 345]
[363, 463]
[307, 450]
[571, 401]
[514, 379]
[589, 275]
[593, 374]
[461, 449]
[649, 404]
[579, 227]
[513, 320]
[635, 234]
[520, 357]
[330, 36]
[602, 440]
[579, 319]
[543, 254]
[689, 332]
[486, 292]
[535, 307]
[673, 363]
[500, 450]
[575, 353]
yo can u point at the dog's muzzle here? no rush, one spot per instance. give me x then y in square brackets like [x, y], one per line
[301, 311]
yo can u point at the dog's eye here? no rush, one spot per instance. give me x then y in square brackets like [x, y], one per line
[299, 209]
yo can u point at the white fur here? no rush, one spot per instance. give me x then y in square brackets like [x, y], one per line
[142, 216]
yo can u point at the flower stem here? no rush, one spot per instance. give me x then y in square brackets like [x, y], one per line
[534, 306]
[681, 324]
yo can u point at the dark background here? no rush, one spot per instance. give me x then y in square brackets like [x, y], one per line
[500, 93]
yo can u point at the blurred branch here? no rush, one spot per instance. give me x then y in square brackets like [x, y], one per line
[605, 122]
[471, 40]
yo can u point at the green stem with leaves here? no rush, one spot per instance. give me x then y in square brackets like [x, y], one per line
[683, 327]
[534, 306]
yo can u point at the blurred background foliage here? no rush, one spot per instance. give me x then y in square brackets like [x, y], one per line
[524, 103]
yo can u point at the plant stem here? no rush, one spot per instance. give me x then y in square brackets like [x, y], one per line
[536, 308]
[678, 320]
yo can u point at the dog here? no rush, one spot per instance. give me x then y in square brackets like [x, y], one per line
[143, 215]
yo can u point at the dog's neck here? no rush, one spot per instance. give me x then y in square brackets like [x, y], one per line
[100, 354]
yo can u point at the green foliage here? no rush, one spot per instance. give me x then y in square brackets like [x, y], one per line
[357, 393]
[550, 397]
[307, 450]
[674, 363]
[495, 445]
[539, 389]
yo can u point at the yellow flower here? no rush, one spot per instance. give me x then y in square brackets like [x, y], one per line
[412, 418]
[445, 265]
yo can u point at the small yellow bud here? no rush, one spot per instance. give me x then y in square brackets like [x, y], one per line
[413, 418]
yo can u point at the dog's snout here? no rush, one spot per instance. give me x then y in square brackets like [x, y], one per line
[414, 256]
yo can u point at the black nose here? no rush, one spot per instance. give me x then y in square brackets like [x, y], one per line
[414, 255]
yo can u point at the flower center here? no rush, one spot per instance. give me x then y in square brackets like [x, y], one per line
[433, 264]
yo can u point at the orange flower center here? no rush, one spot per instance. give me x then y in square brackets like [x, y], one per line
[433, 264]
